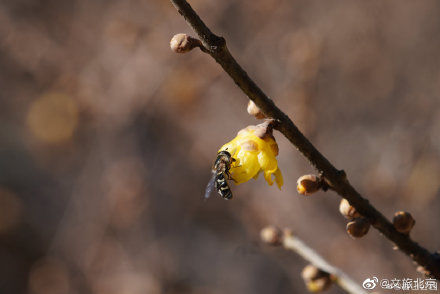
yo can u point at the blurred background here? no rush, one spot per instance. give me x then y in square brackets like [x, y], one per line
[108, 137]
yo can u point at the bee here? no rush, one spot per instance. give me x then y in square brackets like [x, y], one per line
[220, 175]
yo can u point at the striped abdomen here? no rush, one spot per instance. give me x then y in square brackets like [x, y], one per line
[222, 186]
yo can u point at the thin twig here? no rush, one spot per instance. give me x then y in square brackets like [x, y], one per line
[295, 244]
[275, 237]
[337, 180]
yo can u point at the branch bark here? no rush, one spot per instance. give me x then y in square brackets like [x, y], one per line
[337, 180]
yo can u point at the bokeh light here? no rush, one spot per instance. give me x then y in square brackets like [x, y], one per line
[53, 117]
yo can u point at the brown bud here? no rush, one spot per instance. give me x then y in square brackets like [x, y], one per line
[272, 235]
[403, 222]
[308, 184]
[316, 279]
[254, 110]
[310, 272]
[423, 270]
[347, 210]
[182, 43]
[358, 227]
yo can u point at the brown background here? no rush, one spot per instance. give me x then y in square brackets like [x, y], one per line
[107, 139]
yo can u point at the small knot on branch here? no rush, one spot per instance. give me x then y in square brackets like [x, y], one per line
[216, 43]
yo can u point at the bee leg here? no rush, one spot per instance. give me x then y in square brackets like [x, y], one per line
[231, 178]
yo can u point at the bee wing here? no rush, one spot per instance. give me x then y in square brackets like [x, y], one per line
[210, 186]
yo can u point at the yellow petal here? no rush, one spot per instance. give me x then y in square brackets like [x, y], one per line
[249, 145]
[231, 147]
[267, 162]
[268, 177]
[279, 178]
[258, 173]
[248, 167]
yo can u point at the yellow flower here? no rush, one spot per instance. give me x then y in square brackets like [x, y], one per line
[255, 151]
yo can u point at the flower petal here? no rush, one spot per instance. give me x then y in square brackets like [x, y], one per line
[268, 177]
[279, 178]
[248, 167]
[267, 162]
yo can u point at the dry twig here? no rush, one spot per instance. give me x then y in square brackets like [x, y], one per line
[289, 241]
[336, 179]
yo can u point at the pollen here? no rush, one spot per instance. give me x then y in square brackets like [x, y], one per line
[254, 150]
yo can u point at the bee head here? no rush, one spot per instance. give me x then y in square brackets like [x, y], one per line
[224, 153]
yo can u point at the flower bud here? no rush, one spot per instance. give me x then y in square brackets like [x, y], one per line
[358, 227]
[254, 110]
[403, 222]
[347, 210]
[423, 270]
[182, 43]
[310, 272]
[316, 279]
[308, 184]
[272, 235]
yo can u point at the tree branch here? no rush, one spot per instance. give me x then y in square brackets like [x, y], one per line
[336, 179]
[293, 243]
